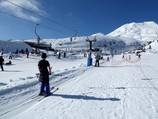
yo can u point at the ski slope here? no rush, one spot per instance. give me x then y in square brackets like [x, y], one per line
[143, 32]
[119, 89]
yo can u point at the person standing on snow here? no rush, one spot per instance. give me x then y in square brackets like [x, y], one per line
[45, 71]
[27, 52]
[1, 62]
[59, 55]
[97, 58]
[108, 59]
[64, 54]
[139, 55]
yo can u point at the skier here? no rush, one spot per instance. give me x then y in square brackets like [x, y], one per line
[59, 55]
[22, 51]
[123, 56]
[64, 54]
[97, 58]
[27, 52]
[45, 71]
[139, 55]
[108, 59]
[17, 51]
[1, 62]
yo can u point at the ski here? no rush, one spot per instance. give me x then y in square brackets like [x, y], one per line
[54, 90]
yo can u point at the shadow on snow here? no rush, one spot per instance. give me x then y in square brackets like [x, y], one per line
[11, 71]
[84, 97]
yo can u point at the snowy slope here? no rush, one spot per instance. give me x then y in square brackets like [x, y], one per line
[23, 70]
[153, 46]
[19, 85]
[147, 31]
[120, 89]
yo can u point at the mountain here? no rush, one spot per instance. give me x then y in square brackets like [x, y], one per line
[12, 46]
[129, 36]
[147, 31]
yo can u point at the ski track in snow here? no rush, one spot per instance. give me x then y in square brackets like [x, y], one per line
[116, 90]
[129, 89]
[21, 97]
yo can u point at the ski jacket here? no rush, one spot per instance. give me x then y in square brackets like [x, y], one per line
[43, 67]
[1, 60]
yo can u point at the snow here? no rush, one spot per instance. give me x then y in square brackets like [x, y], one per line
[24, 70]
[118, 89]
[147, 31]
[154, 47]
[131, 34]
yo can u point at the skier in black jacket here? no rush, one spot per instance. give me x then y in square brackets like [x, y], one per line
[45, 71]
[1, 62]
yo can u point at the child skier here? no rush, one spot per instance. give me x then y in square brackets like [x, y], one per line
[45, 71]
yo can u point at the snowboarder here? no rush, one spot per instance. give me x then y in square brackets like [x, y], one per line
[45, 71]
[97, 58]
[1, 62]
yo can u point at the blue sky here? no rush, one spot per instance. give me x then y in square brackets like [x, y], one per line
[62, 18]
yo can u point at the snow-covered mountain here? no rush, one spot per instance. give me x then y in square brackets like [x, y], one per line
[147, 31]
[129, 36]
[12, 46]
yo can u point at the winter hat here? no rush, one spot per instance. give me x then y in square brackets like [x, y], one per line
[44, 55]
